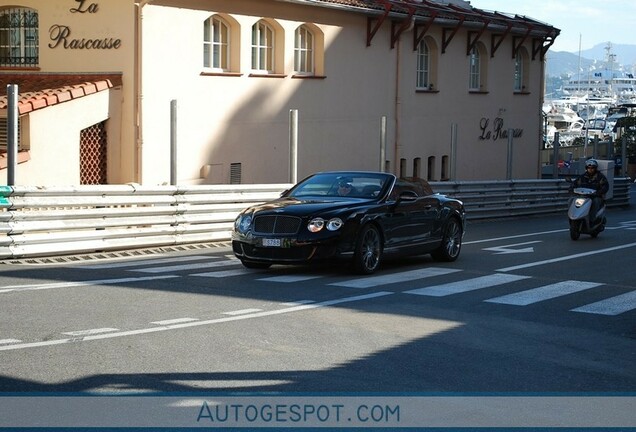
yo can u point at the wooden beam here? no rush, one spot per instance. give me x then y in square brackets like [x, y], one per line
[446, 39]
[373, 29]
[397, 30]
[470, 44]
[496, 40]
[417, 35]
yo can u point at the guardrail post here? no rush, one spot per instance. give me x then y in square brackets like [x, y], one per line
[12, 132]
[453, 167]
[555, 153]
[293, 146]
[624, 156]
[382, 143]
[509, 165]
[173, 142]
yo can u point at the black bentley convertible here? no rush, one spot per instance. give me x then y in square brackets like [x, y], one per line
[360, 216]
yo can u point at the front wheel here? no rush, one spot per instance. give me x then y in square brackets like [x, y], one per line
[575, 229]
[368, 251]
[451, 242]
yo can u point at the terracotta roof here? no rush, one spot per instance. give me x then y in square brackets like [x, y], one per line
[39, 90]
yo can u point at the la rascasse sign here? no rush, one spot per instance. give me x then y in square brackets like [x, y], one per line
[61, 34]
[496, 130]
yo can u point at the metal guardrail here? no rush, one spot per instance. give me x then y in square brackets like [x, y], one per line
[45, 221]
[41, 221]
[506, 198]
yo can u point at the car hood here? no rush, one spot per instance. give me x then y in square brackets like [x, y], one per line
[309, 207]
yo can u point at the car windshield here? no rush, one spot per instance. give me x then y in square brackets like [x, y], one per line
[352, 185]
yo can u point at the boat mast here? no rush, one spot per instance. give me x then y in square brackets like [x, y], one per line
[578, 92]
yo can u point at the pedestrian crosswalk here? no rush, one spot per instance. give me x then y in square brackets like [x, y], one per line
[467, 285]
[422, 282]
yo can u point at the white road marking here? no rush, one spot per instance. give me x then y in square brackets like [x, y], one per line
[546, 292]
[508, 249]
[242, 312]
[289, 278]
[9, 341]
[514, 236]
[466, 285]
[54, 285]
[298, 302]
[225, 273]
[133, 263]
[91, 332]
[373, 281]
[565, 258]
[611, 306]
[174, 321]
[188, 266]
[199, 323]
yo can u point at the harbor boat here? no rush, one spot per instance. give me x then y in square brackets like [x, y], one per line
[564, 120]
[605, 85]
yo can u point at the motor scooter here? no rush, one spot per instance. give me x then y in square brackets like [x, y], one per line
[579, 214]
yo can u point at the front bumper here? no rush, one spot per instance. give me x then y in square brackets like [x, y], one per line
[290, 251]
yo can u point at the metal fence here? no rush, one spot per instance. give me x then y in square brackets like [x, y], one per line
[46, 221]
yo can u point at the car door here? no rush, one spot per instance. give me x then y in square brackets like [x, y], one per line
[400, 223]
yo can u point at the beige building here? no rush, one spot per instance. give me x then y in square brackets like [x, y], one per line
[433, 86]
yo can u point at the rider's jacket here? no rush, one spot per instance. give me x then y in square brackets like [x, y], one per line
[596, 181]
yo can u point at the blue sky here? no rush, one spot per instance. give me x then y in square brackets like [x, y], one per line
[592, 21]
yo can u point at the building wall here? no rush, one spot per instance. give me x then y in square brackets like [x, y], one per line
[65, 27]
[238, 118]
[243, 119]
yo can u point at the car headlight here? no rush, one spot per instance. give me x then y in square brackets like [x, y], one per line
[334, 224]
[243, 223]
[317, 224]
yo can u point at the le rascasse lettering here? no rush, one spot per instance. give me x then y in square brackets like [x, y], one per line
[496, 131]
[61, 34]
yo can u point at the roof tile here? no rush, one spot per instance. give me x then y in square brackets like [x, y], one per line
[38, 90]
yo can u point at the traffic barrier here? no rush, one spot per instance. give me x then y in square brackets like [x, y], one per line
[45, 221]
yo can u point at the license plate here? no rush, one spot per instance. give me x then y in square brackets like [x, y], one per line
[271, 242]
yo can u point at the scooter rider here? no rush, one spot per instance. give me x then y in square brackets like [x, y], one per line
[592, 178]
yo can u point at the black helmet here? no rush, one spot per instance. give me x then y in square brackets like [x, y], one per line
[591, 163]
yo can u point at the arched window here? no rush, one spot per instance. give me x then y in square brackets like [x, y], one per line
[426, 65]
[475, 70]
[19, 43]
[304, 49]
[263, 47]
[522, 69]
[478, 69]
[216, 43]
[423, 78]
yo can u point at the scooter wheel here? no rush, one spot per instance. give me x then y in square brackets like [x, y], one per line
[575, 230]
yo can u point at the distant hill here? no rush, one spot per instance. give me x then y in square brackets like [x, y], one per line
[562, 63]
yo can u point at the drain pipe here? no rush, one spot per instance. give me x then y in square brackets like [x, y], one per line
[139, 144]
[397, 145]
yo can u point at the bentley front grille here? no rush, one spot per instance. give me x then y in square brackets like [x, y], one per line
[276, 224]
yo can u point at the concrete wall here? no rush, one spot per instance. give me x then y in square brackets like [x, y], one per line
[244, 119]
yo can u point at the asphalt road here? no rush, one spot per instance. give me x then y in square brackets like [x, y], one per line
[524, 309]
